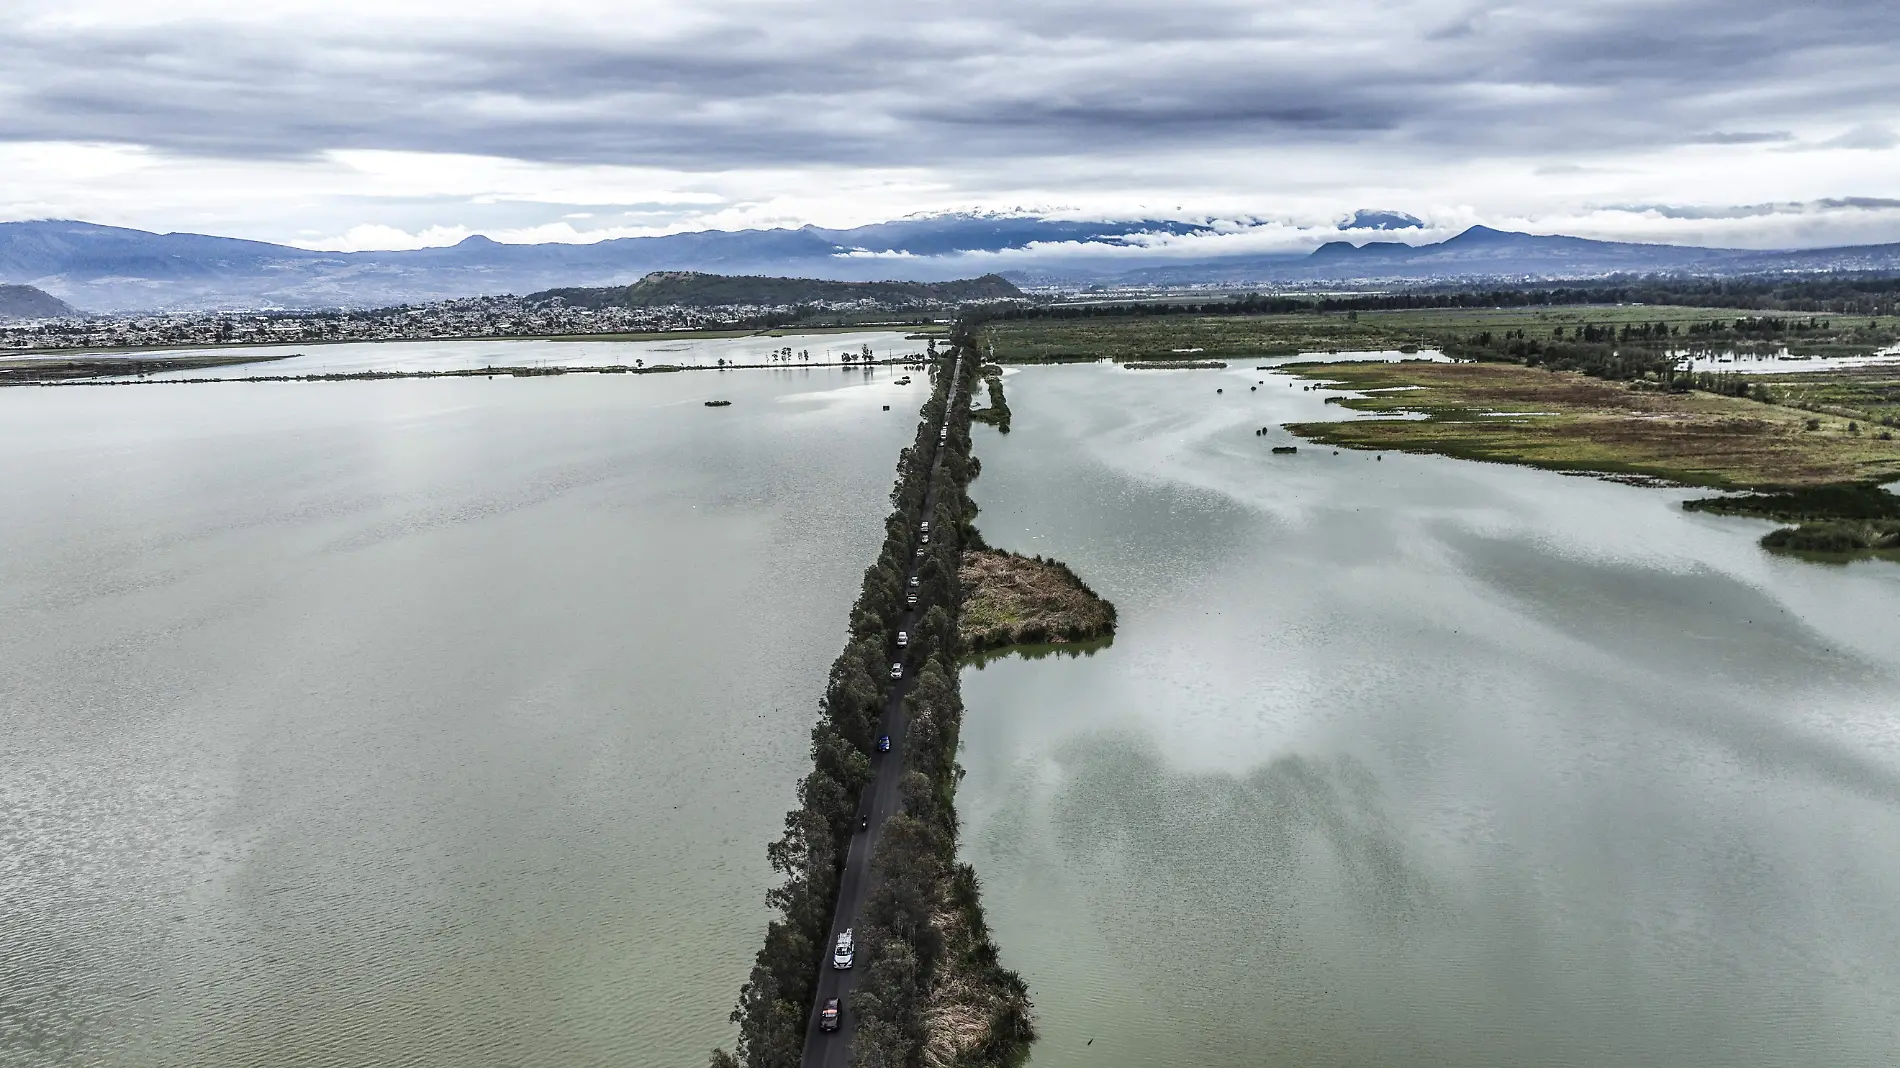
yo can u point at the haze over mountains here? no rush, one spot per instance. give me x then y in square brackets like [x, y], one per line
[113, 269]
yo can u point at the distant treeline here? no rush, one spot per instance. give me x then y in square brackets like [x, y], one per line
[1841, 294]
[692, 289]
[1653, 351]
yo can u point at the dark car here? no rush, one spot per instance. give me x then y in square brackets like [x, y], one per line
[828, 1016]
[883, 743]
[910, 600]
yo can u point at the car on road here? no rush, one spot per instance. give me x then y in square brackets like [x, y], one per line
[924, 527]
[883, 743]
[828, 1016]
[910, 600]
[903, 638]
[913, 582]
[897, 670]
[846, 952]
[920, 552]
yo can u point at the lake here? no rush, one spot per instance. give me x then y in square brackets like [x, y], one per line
[413, 722]
[1412, 761]
[350, 357]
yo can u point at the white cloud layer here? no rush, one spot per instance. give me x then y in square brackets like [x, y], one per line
[394, 123]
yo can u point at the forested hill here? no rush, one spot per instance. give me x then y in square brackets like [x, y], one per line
[26, 302]
[695, 290]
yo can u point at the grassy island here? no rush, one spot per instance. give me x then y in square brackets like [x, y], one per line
[1026, 600]
[1567, 421]
[1174, 365]
[1822, 471]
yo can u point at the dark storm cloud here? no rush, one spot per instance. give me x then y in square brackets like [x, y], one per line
[984, 82]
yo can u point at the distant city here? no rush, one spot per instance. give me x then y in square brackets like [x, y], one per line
[468, 317]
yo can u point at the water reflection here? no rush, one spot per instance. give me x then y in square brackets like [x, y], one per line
[1424, 762]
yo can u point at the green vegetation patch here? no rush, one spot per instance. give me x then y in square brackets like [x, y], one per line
[997, 414]
[1868, 395]
[1836, 538]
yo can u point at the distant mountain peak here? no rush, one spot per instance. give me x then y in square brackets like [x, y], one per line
[1381, 219]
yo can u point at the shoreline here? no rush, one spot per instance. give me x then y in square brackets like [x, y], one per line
[81, 351]
[1786, 464]
[918, 360]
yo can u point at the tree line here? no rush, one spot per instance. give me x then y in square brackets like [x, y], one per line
[776, 999]
[915, 878]
[1846, 294]
[922, 915]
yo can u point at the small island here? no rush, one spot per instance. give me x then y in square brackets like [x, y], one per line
[1174, 365]
[1010, 599]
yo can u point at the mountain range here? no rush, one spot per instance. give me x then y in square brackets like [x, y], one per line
[114, 269]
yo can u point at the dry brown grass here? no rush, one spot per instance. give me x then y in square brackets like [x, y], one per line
[1020, 600]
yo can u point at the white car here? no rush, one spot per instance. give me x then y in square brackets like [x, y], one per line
[903, 639]
[913, 582]
[846, 953]
[897, 671]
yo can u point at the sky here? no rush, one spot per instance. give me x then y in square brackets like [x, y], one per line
[354, 124]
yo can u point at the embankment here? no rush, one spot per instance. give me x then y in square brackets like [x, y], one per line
[776, 999]
[935, 992]
[932, 989]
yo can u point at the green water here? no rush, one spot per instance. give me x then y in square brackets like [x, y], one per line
[415, 722]
[1411, 761]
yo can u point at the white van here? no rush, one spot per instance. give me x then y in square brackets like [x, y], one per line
[846, 952]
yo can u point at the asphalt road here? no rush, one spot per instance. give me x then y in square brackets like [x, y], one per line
[829, 1049]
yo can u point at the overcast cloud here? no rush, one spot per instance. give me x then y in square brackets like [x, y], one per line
[356, 124]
